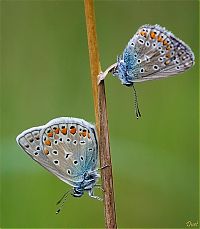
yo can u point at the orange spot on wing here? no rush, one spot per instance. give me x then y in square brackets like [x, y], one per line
[160, 39]
[64, 131]
[73, 130]
[168, 47]
[57, 131]
[168, 55]
[153, 35]
[89, 135]
[144, 34]
[164, 42]
[46, 151]
[50, 134]
[167, 62]
[47, 142]
[84, 133]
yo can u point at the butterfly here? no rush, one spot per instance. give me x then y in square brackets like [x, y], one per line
[152, 53]
[68, 148]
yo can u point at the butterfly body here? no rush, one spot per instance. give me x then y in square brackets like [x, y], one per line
[68, 148]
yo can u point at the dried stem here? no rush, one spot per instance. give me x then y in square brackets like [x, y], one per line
[101, 118]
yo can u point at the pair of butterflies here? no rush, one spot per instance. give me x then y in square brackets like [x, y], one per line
[68, 147]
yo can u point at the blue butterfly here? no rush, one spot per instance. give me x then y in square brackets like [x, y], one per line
[68, 148]
[152, 53]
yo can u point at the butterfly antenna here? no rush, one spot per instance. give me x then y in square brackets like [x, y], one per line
[136, 106]
[62, 201]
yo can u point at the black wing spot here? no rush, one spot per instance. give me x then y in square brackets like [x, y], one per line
[56, 162]
[155, 67]
[75, 162]
[69, 171]
[141, 70]
[81, 157]
[38, 148]
[55, 152]
[67, 155]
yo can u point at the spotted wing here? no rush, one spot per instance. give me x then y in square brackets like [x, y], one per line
[30, 141]
[71, 145]
[155, 53]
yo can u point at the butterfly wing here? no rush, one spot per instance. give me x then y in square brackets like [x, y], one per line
[30, 141]
[153, 53]
[71, 145]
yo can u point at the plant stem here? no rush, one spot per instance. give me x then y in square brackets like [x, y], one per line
[101, 118]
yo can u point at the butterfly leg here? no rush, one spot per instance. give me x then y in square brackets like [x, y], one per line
[100, 187]
[102, 75]
[91, 194]
[103, 167]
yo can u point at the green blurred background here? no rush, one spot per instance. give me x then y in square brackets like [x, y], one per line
[45, 74]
